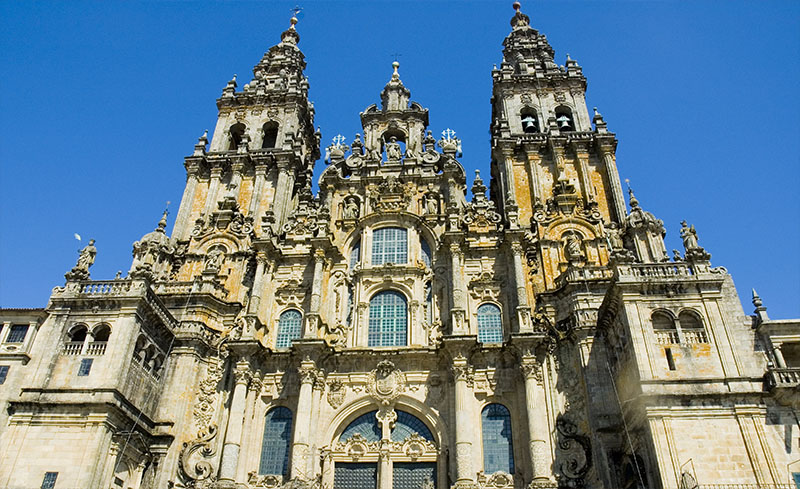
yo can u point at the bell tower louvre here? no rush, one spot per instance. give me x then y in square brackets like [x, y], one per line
[395, 321]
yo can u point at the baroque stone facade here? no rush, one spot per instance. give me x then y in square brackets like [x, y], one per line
[390, 332]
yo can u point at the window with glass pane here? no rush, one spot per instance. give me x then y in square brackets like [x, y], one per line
[387, 319]
[355, 254]
[49, 481]
[498, 452]
[389, 245]
[3, 373]
[275, 444]
[365, 425]
[289, 326]
[85, 367]
[408, 424]
[348, 475]
[17, 333]
[414, 475]
[426, 253]
[490, 324]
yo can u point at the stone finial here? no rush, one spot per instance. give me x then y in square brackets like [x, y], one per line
[756, 300]
[519, 19]
[761, 311]
[395, 75]
[202, 142]
[634, 202]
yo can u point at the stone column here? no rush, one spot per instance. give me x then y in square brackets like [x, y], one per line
[606, 151]
[312, 318]
[464, 423]
[313, 460]
[508, 166]
[458, 312]
[258, 188]
[213, 188]
[233, 435]
[249, 438]
[534, 160]
[302, 426]
[582, 153]
[781, 362]
[181, 228]
[258, 284]
[283, 193]
[538, 429]
[523, 311]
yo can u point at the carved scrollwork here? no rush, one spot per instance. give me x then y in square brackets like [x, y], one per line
[497, 480]
[575, 451]
[194, 462]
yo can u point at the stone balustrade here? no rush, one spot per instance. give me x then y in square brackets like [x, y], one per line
[667, 337]
[783, 377]
[640, 271]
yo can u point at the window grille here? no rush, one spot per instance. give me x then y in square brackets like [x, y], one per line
[289, 326]
[414, 475]
[349, 475]
[86, 367]
[3, 373]
[426, 253]
[275, 445]
[17, 333]
[365, 425]
[49, 481]
[490, 324]
[387, 319]
[389, 245]
[408, 424]
[498, 452]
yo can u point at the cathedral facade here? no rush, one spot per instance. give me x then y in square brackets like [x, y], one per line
[390, 332]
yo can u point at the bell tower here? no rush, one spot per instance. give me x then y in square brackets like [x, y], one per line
[553, 165]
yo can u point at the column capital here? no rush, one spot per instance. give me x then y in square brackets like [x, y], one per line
[309, 374]
[532, 369]
[241, 373]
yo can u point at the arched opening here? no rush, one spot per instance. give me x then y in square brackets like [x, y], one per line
[289, 328]
[388, 319]
[270, 135]
[692, 327]
[564, 119]
[530, 123]
[235, 136]
[664, 328]
[101, 333]
[490, 324]
[275, 442]
[498, 450]
[78, 334]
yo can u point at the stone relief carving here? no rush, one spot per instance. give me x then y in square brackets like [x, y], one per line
[337, 391]
[385, 383]
[195, 468]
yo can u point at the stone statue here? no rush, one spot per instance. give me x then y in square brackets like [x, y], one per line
[689, 236]
[214, 259]
[86, 257]
[393, 150]
[572, 249]
[676, 255]
[431, 204]
[614, 237]
[350, 208]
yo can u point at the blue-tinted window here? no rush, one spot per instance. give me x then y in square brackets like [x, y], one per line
[3, 373]
[17, 333]
[289, 327]
[796, 479]
[413, 475]
[490, 324]
[349, 475]
[365, 425]
[275, 445]
[498, 452]
[426, 253]
[387, 319]
[389, 245]
[408, 424]
[49, 481]
[86, 367]
[355, 254]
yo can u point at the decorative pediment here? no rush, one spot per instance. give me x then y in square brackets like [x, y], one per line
[390, 195]
[485, 287]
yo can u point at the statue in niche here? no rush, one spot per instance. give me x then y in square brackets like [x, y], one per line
[572, 249]
[350, 210]
[689, 236]
[214, 259]
[393, 150]
[86, 257]
[431, 203]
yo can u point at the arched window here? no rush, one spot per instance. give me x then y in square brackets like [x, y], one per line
[498, 451]
[407, 425]
[564, 119]
[664, 328]
[355, 253]
[289, 326]
[387, 319]
[78, 333]
[275, 445]
[270, 133]
[389, 245]
[365, 425]
[692, 327]
[530, 123]
[426, 253]
[490, 324]
[101, 333]
[236, 135]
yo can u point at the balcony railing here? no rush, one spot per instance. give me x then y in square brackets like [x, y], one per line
[94, 348]
[783, 377]
[747, 486]
[667, 337]
[73, 347]
[695, 336]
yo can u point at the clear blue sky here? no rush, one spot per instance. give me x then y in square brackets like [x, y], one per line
[101, 101]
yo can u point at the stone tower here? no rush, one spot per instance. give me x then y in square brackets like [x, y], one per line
[389, 333]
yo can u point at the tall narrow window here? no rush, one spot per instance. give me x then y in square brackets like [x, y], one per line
[490, 324]
[530, 123]
[49, 481]
[288, 328]
[498, 451]
[3, 373]
[387, 319]
[236, 135]
[275, 444]
[355, 254]
[426, 253]
[270, 135]
[85, 367]
[389, 245]
[17, 333]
